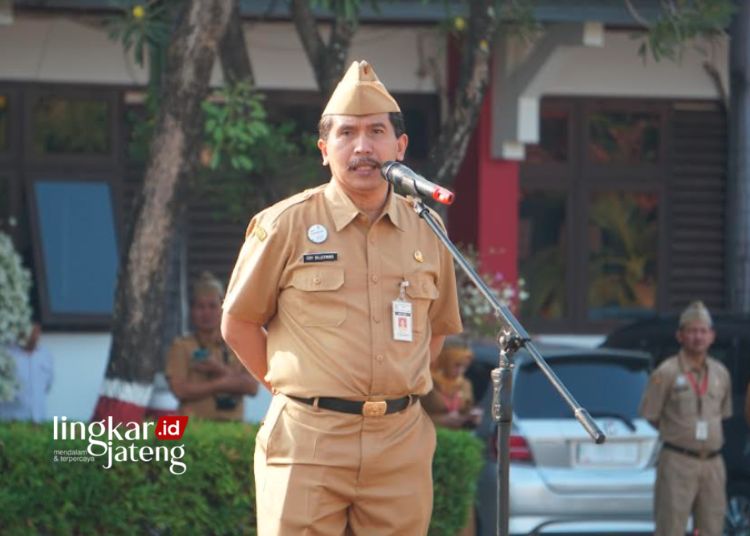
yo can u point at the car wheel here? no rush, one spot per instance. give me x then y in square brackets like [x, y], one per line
[737, 520]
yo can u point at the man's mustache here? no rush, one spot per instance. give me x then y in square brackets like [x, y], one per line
[363, 161]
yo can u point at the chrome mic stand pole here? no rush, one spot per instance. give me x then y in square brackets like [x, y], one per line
[511, 339]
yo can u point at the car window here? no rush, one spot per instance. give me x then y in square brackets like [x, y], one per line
[613, 387]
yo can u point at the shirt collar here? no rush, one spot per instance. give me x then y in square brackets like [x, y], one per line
[343, 210]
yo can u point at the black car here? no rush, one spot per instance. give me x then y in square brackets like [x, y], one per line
[732, 347]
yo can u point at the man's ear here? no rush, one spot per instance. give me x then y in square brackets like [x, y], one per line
[323, 151]
[402, 142]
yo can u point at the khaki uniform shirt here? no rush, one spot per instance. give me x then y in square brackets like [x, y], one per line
[181, 356]
[327, 305]
[671, 400]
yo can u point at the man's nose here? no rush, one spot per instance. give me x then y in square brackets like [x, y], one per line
[363, 145]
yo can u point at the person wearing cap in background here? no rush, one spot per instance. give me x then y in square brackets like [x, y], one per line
[202, 372]
[339, 299]
[686, 399]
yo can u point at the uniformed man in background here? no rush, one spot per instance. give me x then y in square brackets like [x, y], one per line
[202, 372]
[356, 295]
[686, 399]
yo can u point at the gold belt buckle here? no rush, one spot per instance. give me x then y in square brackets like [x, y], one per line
[374, 408]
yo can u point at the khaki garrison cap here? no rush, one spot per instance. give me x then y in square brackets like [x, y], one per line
[696, 311]
[360, 92]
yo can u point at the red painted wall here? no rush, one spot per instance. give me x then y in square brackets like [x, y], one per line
[485, 212]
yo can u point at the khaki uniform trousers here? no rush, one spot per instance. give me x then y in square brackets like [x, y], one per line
[321, 472]
[686, 485]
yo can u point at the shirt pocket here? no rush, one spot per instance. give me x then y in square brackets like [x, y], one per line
[316, 297]
[422, 291]
[712, 401]
[684, 401]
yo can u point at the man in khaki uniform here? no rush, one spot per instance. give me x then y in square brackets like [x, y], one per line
[356, 295]
[687, 397]
[202, 372]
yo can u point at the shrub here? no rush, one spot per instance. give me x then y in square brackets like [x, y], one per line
[15, 312]
[215, 496]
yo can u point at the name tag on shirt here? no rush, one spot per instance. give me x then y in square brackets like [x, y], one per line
[402, 321]
[320, 257]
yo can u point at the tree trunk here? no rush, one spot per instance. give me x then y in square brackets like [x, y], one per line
[738, 180]
[474, 78]
[327, 60]
[139, 300]
[235, 61]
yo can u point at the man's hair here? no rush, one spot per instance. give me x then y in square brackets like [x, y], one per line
[206, 283]
[326, 123]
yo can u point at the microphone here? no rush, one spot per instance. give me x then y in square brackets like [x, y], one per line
[415, 184]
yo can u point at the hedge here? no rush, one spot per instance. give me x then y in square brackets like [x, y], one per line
[214, 496]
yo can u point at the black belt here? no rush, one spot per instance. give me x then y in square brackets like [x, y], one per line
[693, 453]
[368, 408]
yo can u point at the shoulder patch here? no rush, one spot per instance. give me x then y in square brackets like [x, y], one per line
[272, 213]
[260, 233]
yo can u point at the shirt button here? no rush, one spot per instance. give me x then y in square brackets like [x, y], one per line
[376, 319]
[372, 240]
[379, 358]
[374, 279]
[316, 280]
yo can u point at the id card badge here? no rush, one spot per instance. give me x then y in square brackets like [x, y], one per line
[402, 317]
[701, 430]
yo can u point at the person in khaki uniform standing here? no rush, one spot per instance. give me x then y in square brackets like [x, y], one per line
[340, 298]
[686, 399]
[203, 373]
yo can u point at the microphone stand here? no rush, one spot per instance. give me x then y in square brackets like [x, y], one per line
[510, 340]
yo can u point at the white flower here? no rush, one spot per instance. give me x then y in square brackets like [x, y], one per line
[15, 312]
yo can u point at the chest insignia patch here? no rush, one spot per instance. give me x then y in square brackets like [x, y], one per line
[317, 234]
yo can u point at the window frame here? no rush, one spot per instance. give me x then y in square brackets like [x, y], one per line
[11, 91]
[48, 317]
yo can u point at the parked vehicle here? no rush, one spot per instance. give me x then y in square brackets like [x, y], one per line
[732, 347]
[560, 480]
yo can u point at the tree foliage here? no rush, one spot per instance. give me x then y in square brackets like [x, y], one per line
[679, 24]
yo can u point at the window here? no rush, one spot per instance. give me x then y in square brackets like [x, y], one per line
[74, 226]
[622, 261]
[590, 228]
[70, 126]
[625, 380]
[623, 137]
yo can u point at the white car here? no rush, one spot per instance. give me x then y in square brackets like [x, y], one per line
[561, 482]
